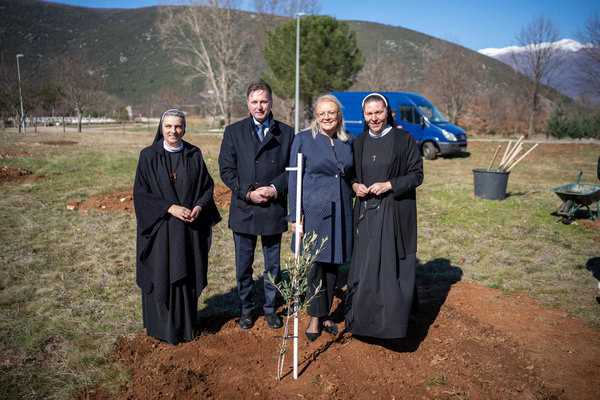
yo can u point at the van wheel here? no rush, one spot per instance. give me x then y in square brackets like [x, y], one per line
[429, 151]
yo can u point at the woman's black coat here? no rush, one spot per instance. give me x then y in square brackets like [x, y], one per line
[405, 174]
[168, 249]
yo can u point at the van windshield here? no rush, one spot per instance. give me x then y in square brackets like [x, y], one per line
[432, 113]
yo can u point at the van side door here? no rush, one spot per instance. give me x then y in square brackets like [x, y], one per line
[408, 117]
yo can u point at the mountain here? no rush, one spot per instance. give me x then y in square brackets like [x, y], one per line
[125, 44]
[564, 78]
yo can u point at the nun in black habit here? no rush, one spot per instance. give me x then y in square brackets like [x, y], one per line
[388, 169]
[175, 211]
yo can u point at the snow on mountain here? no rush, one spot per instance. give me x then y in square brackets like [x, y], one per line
[564, 77]
[563, 45]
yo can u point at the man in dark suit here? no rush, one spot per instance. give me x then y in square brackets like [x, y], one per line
[254, 154]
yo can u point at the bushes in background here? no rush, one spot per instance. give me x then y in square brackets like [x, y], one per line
[576, 126]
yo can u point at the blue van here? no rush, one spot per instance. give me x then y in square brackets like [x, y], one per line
[413, 112]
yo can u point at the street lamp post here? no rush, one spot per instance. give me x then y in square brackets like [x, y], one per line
[297, 116]
[22, 122]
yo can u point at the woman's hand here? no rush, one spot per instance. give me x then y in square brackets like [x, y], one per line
[180, 212]
[194, 214]
[300, 226]
[379, 188]
[360, 189]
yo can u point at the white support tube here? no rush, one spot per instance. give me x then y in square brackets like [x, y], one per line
[297, 242]
[298, 238]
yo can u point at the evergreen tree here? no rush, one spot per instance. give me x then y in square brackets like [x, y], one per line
[329, 58]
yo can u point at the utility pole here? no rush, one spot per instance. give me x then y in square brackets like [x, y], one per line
[297, 101]
[22, 122]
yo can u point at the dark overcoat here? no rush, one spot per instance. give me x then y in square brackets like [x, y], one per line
[246, 163]
[326, 193]
[168, 249]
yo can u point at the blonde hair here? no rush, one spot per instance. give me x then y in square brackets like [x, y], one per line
[340, 131]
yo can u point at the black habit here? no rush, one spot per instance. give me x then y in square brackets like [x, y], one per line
[172, 255]
[382, 273]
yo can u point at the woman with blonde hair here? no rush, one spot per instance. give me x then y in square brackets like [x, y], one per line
[326, 204]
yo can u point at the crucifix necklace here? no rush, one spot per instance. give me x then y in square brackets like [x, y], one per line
[173, 171]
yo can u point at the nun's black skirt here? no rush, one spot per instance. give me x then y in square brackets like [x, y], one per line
[381, 282]
[173, 322]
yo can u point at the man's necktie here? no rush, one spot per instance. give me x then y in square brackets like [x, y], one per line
[261, 132]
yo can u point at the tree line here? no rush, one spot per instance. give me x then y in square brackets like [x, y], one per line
[210, 47]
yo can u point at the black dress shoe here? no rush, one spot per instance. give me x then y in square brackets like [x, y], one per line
[312, 336]
[246, 322]
[274, 321]
[331, 329]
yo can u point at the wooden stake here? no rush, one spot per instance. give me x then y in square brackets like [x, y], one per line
[494, 158]
[511, 153]
[512, 157]
[506, 152]
[522, 157]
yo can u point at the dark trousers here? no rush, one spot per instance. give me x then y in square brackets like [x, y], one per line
[244, 258]
[326, 275]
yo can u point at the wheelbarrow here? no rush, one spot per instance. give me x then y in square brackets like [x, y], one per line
[578, 196]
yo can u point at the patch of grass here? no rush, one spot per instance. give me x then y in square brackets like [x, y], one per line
[67, 286]
[437, 380]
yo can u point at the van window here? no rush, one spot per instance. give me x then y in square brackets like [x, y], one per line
[407, 113]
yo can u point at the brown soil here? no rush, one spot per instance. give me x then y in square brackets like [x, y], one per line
[594, 224]
[9, 174]
[117, 201]
[468, 342]
[13, 154]
[123, 201]
[222, 196]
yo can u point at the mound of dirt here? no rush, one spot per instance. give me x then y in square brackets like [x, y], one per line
[594, 224]
[116, 201]
[470, 342]
[4, 154]
[123, 201]
[12, 173]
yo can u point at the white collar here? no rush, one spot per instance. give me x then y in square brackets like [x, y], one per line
[382, 134]
[172, 149]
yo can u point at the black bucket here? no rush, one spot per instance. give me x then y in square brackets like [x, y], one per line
[490, 185]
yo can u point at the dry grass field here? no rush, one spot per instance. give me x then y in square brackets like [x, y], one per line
[67, 287]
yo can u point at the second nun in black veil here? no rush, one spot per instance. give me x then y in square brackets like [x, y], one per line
[381, 281]
[175, 211]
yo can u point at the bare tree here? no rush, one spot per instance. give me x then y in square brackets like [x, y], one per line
[10, 100]
[451, 76]
[80, 82]
[207, 40]
[9, 93]
[382, 71]
[538, 61]
[589, 67]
